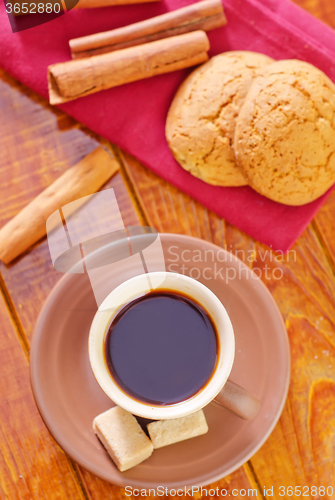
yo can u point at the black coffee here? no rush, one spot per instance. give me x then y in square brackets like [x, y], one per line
[162, 348]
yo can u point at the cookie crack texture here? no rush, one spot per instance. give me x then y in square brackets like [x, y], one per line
[285, 133]
[201, 121]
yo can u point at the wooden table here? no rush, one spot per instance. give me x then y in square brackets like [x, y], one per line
[37, 143]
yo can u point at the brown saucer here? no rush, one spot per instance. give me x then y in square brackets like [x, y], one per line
[69, 397]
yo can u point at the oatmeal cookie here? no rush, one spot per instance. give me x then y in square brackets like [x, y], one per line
[285, 133]
[201, 121]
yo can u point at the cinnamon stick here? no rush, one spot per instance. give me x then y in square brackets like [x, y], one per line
[81, 77]
[206, 15]
[29, 225]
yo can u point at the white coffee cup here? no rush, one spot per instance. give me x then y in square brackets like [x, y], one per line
[225, 392]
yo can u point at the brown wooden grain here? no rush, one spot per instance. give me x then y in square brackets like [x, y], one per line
[79, 181]
[47, 148]
[324, 225]
[32, 465]
[323, 9]
[240, 479]
[30, 278]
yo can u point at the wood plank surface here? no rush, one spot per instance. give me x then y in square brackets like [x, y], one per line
[30, 278]
[303, 286]
[53, 143]
[324, 225]
[323, 9]
[32, 465]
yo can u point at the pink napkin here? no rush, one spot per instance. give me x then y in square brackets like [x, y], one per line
[133, 116]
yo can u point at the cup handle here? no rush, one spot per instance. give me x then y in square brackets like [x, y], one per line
[238, 400]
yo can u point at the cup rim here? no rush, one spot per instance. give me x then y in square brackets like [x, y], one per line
[136, 287]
